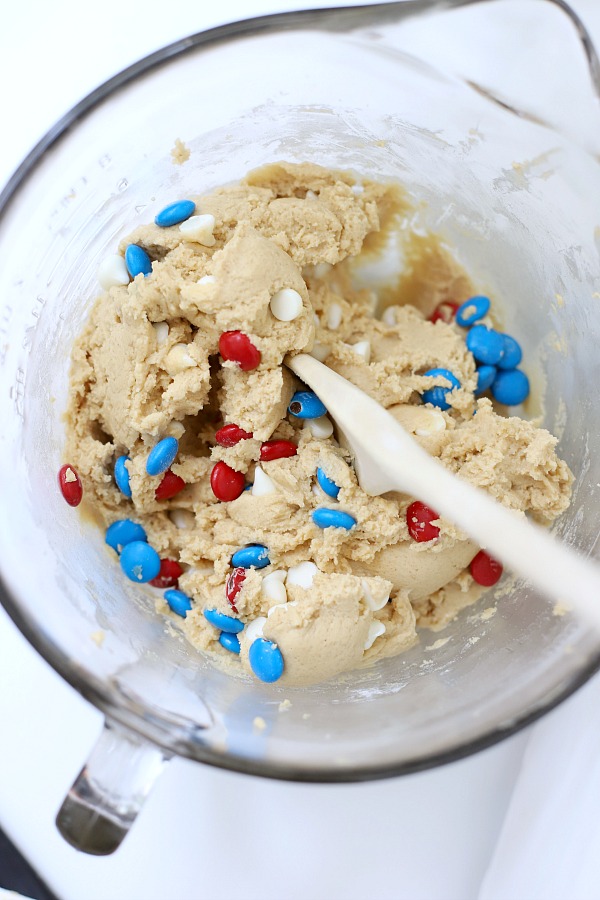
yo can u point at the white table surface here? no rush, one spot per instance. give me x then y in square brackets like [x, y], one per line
[206, 834]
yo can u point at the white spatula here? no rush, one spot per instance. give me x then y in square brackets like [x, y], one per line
[386, 458]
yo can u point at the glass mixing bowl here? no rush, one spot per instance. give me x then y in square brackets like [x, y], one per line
[516, 200]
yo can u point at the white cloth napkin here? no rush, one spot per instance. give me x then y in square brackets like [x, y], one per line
[549, 845]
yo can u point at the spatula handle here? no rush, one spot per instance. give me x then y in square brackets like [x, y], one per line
[553, 567]
[387, 458]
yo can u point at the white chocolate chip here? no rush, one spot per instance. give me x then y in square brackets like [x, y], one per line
[263, 485]
[182, 518]
[273, 589]
[176, 430]
[320, 428]
[205, 568]
[310, 195]
[254, 629]
[285, 606]
[418, 419]
[286, 305]
[112, 272]
[161, 332]
[374, 601]
[279, 574]
[321, 269]
[302, 574]
[363, 348]
[207, 279]
[389, 316]
[334, 316]
[376, 629]
[178, 359]
[320, 351]
[199, 229]
[435, 423]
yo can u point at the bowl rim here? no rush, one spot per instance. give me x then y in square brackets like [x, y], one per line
[127, 712]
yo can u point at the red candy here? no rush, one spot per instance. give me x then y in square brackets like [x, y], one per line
[227, 484]
[170, 571]
[237, 346]
[70, 485]
[485, 570]
[170, 486]
[418, 519]
[230, 435]
[233, 585]
[445, 311]
[277, 450]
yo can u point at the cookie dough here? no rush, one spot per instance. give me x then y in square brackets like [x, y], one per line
[147, 366]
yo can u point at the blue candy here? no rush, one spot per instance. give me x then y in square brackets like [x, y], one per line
[175, 213]
[485, 376]
[137, 261]
[333, 518]
[306, 405]
[326, 484]
[472, 310]
[223, 622]
[140, 562]
[254, 556]
[229, 641]
[122, 476]
[123, 532]
[179, 602]
[437, 395]
[266, 660]
[162, 456]
[511, 353]
[485, 344]
[511, 387]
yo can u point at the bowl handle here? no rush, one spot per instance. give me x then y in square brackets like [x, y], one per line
[110, 790]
